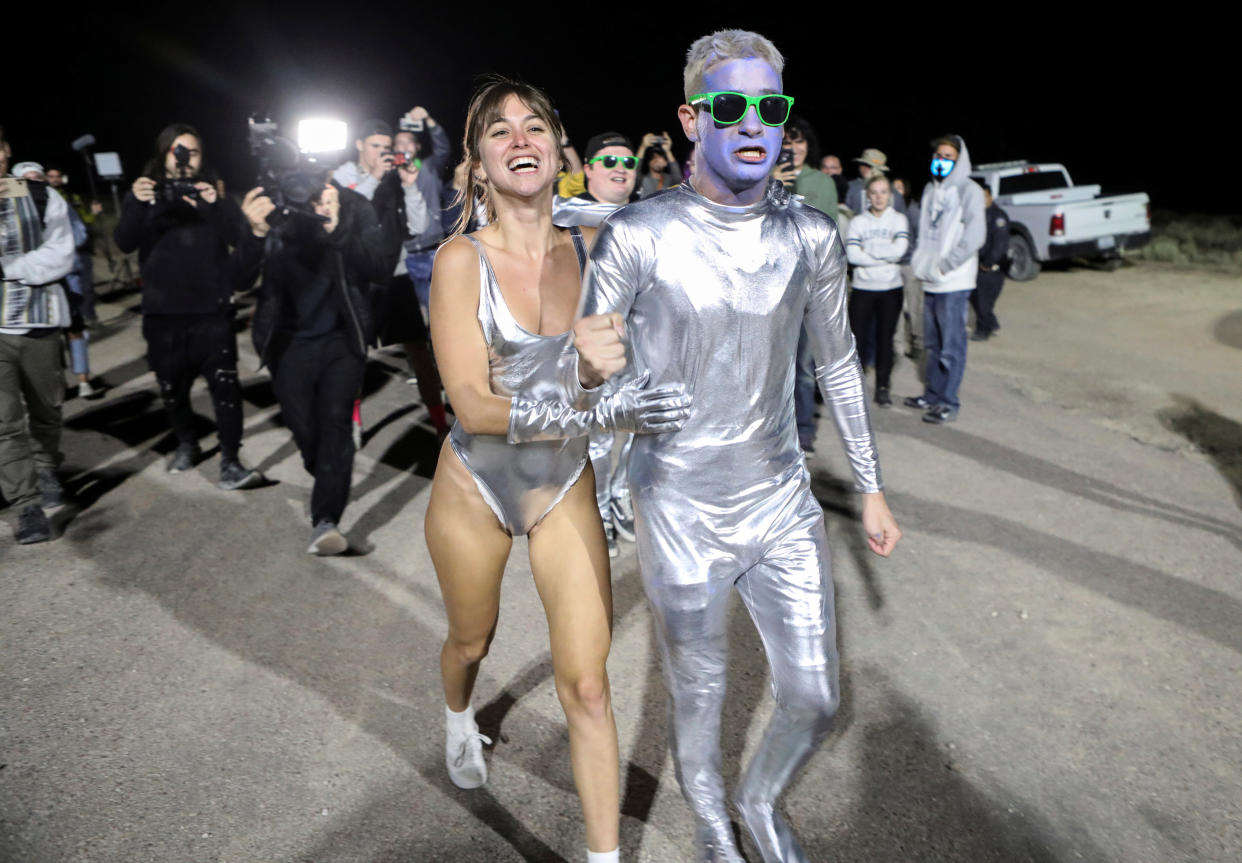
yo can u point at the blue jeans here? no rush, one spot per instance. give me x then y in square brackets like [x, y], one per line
[419, 266]
[944, 339]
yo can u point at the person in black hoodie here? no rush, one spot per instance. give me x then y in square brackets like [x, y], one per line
[183, 229]
[312, 326]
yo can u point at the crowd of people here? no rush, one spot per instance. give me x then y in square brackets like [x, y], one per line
[592, 317]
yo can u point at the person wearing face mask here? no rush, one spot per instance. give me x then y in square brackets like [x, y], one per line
[877, 241]
[709, 284]
[946, 262]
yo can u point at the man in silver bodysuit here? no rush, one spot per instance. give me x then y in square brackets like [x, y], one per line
[709, 285]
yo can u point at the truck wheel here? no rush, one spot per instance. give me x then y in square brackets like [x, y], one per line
[1022, 264]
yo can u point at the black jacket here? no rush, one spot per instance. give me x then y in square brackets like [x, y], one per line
[996, 247]
[358, 254]
[183, 253]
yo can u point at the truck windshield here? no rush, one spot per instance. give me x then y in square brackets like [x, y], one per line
[1036, 182]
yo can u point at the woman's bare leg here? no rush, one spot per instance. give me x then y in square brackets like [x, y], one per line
[569, 559]
[469, 550]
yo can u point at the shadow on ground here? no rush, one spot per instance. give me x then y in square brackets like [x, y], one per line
[1216, 436]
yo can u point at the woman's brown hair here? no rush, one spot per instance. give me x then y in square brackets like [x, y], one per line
[486, 106]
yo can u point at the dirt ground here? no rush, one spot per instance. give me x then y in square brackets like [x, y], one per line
[1047, 669]
[1151, 351]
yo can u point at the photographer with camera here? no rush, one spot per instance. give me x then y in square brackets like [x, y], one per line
[394, 192]
[401, 310]
[312, 326]
[182, 229]
[659, 169]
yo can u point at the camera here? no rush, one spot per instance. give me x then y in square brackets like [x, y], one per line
[172, 191]
[405, 160]
[290, 178]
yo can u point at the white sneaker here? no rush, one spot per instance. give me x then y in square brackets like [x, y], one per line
[463, 756]
[85, 390]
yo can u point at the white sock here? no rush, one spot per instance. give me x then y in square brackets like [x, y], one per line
[461, 723]
[613, 856]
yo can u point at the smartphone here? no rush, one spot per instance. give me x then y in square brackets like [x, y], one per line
[785, 158]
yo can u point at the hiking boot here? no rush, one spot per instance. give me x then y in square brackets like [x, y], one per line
[51, 489]
[184, 458]
[327, 540]
[234, 475]
[32, 525]
[623, 516]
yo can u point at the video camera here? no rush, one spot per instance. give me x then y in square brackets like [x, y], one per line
[172, 191]
[291, 178]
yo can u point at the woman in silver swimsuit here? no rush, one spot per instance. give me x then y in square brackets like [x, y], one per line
[503, 302]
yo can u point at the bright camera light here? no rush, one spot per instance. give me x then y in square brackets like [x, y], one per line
[321, 136]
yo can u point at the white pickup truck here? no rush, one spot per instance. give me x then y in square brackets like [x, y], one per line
[1051, 219]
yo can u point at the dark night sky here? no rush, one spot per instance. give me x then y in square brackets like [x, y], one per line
[1116, 105]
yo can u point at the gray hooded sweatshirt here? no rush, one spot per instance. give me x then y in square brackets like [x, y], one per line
[952, 229]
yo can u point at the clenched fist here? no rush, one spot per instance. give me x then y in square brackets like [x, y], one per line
[601, 353]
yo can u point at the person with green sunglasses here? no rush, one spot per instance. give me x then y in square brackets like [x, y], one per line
[610, 172]
[728, 108]
[709, 284]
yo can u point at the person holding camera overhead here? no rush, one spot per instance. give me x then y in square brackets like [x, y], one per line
[659, 168]
[390, 181]
[183, 228]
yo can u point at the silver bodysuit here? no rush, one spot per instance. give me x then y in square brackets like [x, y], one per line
[520, 482]
[714, 297]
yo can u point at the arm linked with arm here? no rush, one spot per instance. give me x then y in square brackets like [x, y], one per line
[837, 369]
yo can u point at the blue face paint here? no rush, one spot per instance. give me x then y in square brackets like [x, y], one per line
[941, 167]
[732, 163]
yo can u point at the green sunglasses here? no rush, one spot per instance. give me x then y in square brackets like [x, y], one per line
[629, 162]
[729, 108]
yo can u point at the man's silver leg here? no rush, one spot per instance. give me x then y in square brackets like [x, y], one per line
[691, 626]
[789, 597]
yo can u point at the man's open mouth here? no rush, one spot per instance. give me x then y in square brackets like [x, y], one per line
[754, 155]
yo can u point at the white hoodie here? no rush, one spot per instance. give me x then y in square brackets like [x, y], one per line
[874, 246]
[951, 231]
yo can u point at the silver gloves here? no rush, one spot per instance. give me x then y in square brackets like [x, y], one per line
[631, 408]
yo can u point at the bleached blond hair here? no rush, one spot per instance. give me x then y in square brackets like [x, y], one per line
[722, 46]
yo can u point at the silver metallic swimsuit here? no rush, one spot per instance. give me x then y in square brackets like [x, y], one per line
[520, 482]
[714, 297]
